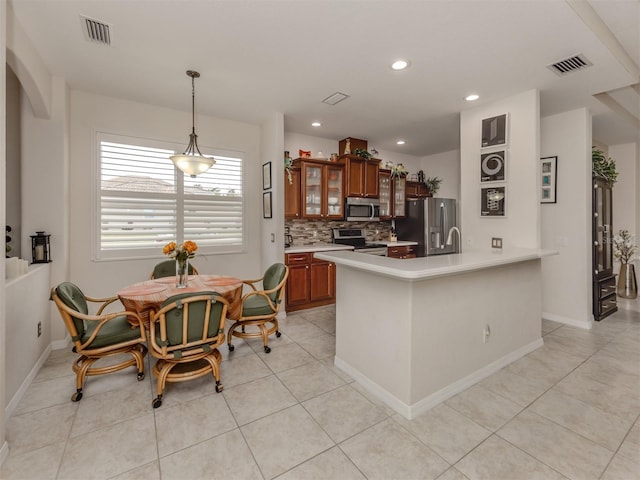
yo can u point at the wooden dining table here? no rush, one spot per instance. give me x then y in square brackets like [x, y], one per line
[144, 297]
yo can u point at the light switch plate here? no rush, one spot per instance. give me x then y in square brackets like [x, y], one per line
[496, 242]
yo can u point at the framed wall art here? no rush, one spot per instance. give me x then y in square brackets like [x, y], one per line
[266, 205]
[548, 180]
[493, 201]
[493, 166]
[494, 131]
[266, 176]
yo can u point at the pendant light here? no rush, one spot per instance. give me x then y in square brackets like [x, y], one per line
[192, 162]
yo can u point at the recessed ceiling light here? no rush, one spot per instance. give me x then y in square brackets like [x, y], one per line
[400, 64]
[316, 124]
[400, 142]
[472, 97]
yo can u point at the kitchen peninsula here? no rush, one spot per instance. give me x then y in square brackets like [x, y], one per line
[417, 331]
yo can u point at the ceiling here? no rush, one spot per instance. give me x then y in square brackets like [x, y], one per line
[257, 57]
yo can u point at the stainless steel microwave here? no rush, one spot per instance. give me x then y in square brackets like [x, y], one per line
[362, 209]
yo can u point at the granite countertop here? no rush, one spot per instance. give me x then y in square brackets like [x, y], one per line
[328, 247]
[318, 247]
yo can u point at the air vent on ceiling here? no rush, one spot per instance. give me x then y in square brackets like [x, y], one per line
[335, 98]
[569, 65]
[96, 31]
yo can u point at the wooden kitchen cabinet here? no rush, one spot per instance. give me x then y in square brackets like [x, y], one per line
[362, 176]
[322, 189]
[292, 194]
[402, 251]
[311, 283]
[392, 195]
[417, 189]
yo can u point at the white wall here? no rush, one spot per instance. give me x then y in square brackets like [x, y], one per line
[91, 112]
[566, 224]
[626, 194]
[45, 187]
[4, 447]
[626, 201]
[445, 165]
[272, 243]
[520, 228]
[27, 305]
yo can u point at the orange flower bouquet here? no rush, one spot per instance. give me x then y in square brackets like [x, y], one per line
[182, 255]
[186, 250]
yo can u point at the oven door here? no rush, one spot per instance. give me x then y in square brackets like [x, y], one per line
[359, 210]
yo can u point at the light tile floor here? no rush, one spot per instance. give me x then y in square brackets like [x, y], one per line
[567, 410]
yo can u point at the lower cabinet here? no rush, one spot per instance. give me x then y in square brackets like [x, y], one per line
[404, 251]
[312, 282]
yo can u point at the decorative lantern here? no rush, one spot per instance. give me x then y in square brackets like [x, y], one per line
[40, 248]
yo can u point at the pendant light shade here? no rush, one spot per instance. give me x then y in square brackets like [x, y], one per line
[192, 162]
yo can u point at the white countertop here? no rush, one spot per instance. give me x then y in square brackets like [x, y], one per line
[399, 243]
[434, 266]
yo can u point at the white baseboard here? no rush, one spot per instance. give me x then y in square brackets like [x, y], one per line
[4, 452]
[411, 411]
[11, 406]
[586, 324]
[60, 344]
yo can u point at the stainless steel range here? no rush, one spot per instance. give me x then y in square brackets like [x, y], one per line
[356, 238]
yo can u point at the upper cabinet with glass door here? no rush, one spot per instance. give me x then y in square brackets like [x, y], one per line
[399, 196]
[386, 206]
[322, 188]
[392, 195]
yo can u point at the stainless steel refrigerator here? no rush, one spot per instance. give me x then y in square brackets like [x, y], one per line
[428, 222]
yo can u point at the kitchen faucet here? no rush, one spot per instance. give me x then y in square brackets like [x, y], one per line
[450, 238]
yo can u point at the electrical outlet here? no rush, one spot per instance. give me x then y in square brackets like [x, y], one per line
[496, 242]
[486, 333]
[39, 328]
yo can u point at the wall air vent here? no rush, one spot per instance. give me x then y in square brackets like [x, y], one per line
[569, 65]
[96, 31]
[335, 98]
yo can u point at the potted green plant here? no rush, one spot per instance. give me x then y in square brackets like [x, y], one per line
[603, 166]
[433, 184]
[359, 152]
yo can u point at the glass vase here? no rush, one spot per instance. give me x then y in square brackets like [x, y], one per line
[182, 273]
[627, 285]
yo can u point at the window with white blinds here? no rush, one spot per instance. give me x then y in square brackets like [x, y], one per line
[144, 202]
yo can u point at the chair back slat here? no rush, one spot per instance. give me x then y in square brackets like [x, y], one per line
[190, 319]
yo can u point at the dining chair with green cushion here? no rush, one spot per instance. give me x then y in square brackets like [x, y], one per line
[260, 307]
[167, 268]
[100, 335]
[185, 334]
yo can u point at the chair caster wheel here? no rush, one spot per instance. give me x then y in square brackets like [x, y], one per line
[219, 388]
[231, 348]
[278, 334]
[266, 349]
[156, 402]
[140, 376]
[76, 397]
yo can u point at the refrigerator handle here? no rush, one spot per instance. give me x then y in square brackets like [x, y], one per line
[443, 220]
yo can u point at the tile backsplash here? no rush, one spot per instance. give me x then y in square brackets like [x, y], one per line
[311, 232]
